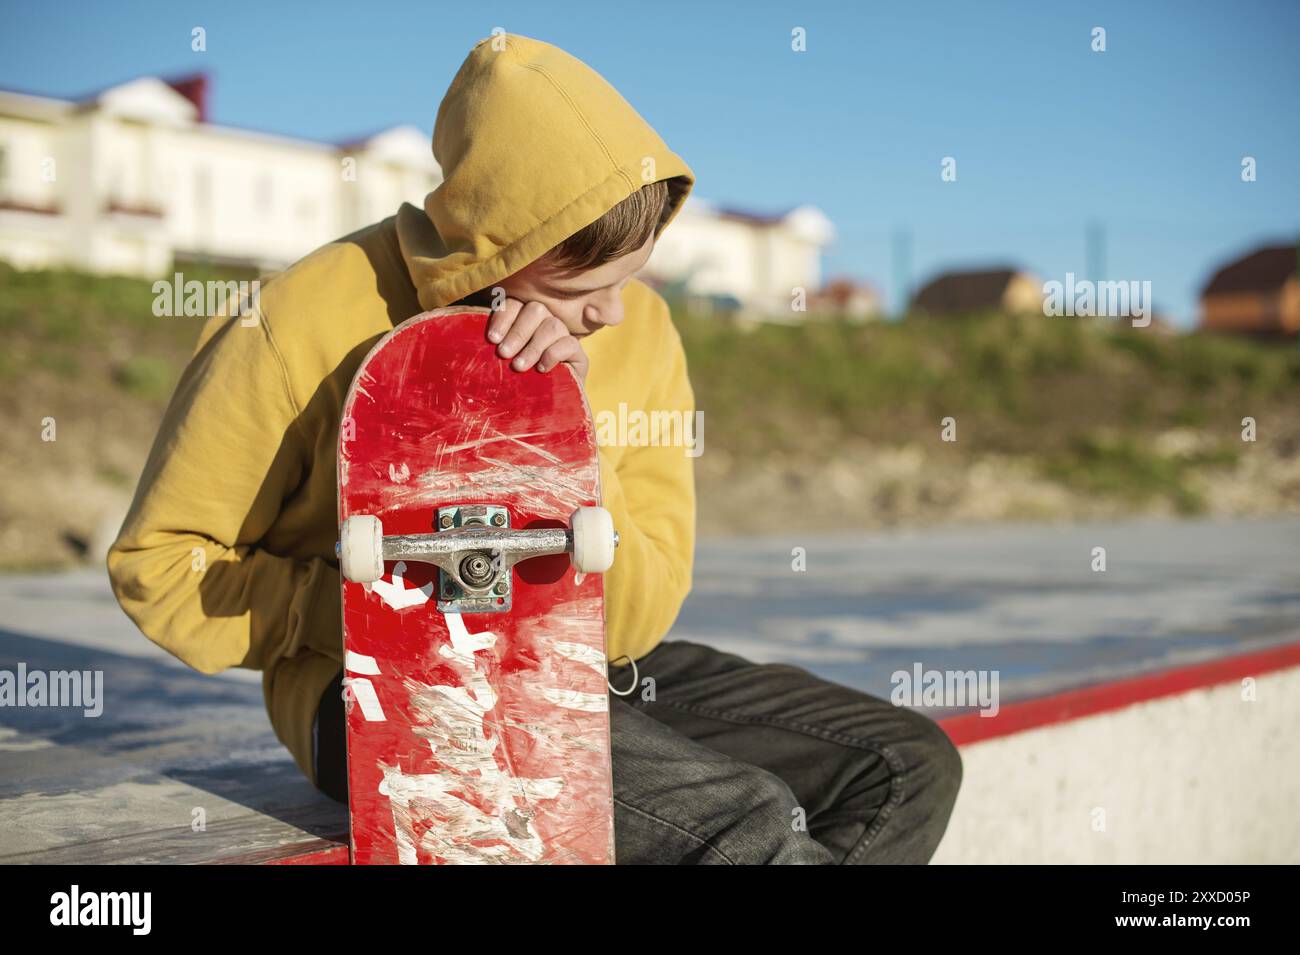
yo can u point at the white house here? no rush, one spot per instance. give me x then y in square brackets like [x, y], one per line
[720, 253]
[135, 177]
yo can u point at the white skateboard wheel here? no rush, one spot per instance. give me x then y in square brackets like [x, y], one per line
[593, 539]
[361, 549]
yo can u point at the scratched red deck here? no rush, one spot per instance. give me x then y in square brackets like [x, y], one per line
[472, 737]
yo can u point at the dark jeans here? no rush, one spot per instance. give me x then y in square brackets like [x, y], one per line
[731, 762]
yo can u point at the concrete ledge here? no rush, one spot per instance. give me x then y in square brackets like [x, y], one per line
[1175, 767]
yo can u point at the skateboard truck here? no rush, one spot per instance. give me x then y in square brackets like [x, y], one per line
[474, 549]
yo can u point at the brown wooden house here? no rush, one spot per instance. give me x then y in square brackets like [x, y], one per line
[985, 290]
[1255, 295]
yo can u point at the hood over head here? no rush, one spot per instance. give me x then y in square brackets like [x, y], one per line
[534, 145]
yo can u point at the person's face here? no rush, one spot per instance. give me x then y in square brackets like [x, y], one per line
[585, 301]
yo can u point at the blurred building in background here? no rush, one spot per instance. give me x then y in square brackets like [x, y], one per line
[731, 260]
[1005, 289]
[135, 178]
[847, 297]
[1257, 294]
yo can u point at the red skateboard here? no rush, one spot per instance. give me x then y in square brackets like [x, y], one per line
[471, 548]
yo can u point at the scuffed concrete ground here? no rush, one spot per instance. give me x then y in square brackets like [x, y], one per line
[179, 767]
[1021, 600]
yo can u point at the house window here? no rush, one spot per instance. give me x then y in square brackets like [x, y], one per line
[202, 188]
[117, 187]
[262, 195]
[202, 206]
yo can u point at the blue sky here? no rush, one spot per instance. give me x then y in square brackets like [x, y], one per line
[1145, 139]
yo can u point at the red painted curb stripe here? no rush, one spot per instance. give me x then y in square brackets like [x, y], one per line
[334, 855]
[326, 851]
[1072, 704]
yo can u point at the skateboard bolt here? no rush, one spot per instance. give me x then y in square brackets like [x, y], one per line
[500, 589]
[445, 521]
[476, 570]
[499, 520]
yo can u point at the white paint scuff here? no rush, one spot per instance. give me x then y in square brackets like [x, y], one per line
[451, 720]
[582, 653]
[396, 594]
[576, 700]
[361, 689]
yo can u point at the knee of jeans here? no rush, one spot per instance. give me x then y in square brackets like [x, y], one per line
[943, 755]
[773, 826]
[932, 756]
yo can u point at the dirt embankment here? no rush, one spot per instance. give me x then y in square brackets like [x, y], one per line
[831, 425]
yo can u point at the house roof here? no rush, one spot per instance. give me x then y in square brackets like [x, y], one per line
[964, 291]
[750, 216]
[1263, 270]
[842, 288]
[191, 88]
[194, 87]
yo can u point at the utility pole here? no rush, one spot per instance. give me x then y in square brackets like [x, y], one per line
[902, 256]
[1095, 243]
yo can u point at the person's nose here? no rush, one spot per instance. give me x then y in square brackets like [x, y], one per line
[608, 310]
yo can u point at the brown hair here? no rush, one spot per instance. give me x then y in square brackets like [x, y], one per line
[623, 229]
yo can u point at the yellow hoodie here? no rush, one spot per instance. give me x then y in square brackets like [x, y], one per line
[227, 555]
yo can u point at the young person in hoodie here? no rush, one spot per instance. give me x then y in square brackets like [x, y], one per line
[554, 192]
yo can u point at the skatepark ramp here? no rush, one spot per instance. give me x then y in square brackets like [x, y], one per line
[1195, 764]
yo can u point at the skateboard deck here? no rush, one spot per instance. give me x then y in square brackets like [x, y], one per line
[475, 671]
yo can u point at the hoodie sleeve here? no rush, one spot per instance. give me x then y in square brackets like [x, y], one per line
[651, 495]
[187, 566]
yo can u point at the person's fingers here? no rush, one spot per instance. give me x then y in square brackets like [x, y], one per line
[502, 318]
[567, 349]
[526, 323]
[549, 331]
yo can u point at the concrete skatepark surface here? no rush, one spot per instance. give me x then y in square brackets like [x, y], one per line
[184, 767]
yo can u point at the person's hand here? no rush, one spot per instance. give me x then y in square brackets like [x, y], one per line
[531, 336]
